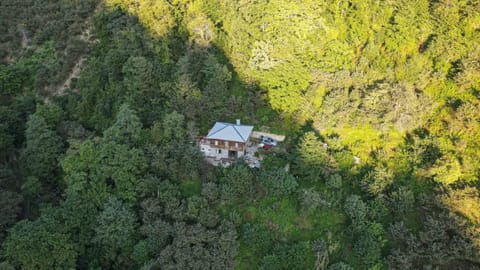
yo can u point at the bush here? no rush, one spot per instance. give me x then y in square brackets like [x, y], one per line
[311, 199]
[288, 256]
[356, 209]
[402, 200]
[369, 244]
[256, 236]
[6, 266]
[210, 191]
[334, 182]
[278, 182]
[237, 182]
[339, 266]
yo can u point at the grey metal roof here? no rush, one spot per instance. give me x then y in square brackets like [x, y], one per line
[230, 132]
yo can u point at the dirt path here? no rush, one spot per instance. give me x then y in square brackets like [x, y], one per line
[77, 68]
[75, 73]
[25, 39]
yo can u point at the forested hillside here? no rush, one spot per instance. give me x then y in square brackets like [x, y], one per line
[102, 102]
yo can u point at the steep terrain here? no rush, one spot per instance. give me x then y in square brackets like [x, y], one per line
[101, 103]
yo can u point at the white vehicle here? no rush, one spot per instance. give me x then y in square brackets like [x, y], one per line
[268, 140]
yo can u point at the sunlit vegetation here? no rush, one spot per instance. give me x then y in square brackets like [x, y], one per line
[101, 102]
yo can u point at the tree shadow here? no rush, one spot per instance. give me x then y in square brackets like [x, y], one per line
[159, 64]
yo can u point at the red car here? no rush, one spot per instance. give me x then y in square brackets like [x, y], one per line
[267, 146]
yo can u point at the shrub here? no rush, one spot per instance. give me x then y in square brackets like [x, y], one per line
[356, 209]
[339, 266]
[311, 199]
[334, 181]
[210, 191]
[402, 200]
[278, 182]
[287, 256]
[237, 182]
[256, 236]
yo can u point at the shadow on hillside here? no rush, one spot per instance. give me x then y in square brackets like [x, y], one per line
[163, 69]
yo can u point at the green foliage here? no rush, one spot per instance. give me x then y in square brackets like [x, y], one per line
[11, 129]
[277, 182]
[43, 148]
[369, 243]
[126, 129]
[9, 209]
[356, 209]
[287, 256]
[197, 247]
[377, 181]
[402, 200]
[311, 199]
[237, 182]
[210, 191]
[34, 245]
[368, 236]
[313, 162]
[52, 114]
[390, 89]
[115, 233]
[6, 266]
[175, 160]
[173, 127]
[334, 182]
[95, 171]
[340, 266]
[156, 230]
[140, 252]
[256, 237]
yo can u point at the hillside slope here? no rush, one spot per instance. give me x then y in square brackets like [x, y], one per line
[102, 101]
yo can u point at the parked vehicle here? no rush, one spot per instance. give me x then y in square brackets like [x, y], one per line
[268, 140]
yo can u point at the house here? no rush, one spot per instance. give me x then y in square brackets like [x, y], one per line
[226, 141]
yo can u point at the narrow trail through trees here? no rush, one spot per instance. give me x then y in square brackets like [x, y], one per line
[86, 36]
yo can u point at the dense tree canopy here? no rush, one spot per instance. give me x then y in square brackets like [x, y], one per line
[102, 103]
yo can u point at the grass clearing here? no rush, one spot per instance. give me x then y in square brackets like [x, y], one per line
[285, 221]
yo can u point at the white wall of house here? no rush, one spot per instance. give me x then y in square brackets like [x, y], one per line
[218, 153]
[213, 152]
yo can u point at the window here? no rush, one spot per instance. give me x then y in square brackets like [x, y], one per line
[216, 142]
[219, 151]
[236, 144]
[226, 143]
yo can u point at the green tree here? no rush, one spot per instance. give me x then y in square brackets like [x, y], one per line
[154, 227]
[95, 171]
[52, 114]
[277, 182]
[195, 247]
[173, 125]
[9, 129]
[287, 256]
[313, 162]
[9, 209]
[115, 233]
[34, 245]
[126, 129]
[356, 209]
[77, 216]
[340, 266]
[377, 182]
[237, 182]
[43, 148]
[6, 266]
